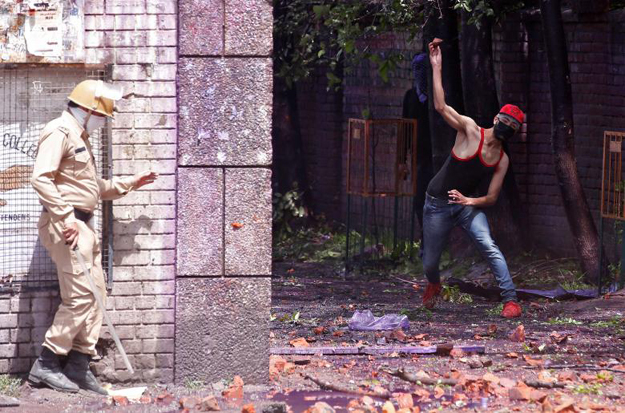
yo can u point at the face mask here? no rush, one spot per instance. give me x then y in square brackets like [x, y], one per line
[503, 132]
[93, 123]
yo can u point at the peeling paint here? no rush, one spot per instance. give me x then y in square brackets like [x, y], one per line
[221, 157]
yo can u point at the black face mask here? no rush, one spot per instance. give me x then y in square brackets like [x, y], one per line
[503, 132]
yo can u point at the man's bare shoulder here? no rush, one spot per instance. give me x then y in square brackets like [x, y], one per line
[471, 131]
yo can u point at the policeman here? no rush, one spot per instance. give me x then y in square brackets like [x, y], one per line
[69, 188]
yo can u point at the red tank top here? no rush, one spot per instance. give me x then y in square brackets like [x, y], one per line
[464, 175]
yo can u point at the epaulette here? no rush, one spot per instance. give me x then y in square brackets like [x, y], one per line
[63, 129]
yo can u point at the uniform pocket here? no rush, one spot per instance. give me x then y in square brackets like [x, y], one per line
[86, 240]
[82, 164]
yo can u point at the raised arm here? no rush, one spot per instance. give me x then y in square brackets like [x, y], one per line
[453, 118]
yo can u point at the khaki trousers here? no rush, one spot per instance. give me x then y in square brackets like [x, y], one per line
[78, 320]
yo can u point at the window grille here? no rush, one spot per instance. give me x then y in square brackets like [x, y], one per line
[32, 96]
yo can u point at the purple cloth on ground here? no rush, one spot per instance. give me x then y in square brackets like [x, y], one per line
[366, 321]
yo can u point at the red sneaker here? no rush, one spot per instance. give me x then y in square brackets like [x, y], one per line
[431, 295]
[511, 309]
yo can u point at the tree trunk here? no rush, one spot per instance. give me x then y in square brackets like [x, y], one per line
[446, 28]
[481, 104]
[478, 75]
[563, 141]
[289, 166]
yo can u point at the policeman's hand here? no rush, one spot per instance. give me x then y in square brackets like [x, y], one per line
[456, 197]
[71, 234]
[144, 178]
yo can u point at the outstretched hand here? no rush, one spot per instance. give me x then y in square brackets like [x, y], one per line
[144, 178]
[436, 57]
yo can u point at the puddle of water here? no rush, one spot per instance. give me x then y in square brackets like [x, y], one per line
[301, 400]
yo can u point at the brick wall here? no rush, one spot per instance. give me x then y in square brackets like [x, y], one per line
[139, 38]
[596, 55]
[321, 118]
[324, 115]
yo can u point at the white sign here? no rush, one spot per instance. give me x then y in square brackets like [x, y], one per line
[42, 31]
[20, 249]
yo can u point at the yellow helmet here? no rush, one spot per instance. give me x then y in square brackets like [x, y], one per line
[96, 95]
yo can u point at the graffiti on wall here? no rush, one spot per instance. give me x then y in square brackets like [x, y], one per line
[42, 31]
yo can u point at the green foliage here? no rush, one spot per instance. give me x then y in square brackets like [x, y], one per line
[194, 385]
[328, 33]
[605, 377]
[564, 321]
[617, 4]
[294, 319]
[9, 385]
[489, 9]
[311, 244]
[290, 318]
[495, 311]
[616, 324]
[287, 210]
[594, 388]
[453, 295]
[416, 314]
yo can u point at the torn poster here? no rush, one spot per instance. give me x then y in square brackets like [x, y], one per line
[43, 34]
[37, 31]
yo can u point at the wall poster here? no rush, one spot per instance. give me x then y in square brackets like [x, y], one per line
[42, 31]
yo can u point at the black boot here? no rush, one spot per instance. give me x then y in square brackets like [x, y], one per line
[46, 370]
[77, 370]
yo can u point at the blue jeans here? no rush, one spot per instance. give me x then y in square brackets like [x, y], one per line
[439, 217]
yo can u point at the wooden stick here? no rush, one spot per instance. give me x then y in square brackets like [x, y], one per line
[417, 378]
[326, 385]
[589, 367]
[544, 384]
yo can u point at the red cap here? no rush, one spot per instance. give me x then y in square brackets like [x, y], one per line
[514, 111]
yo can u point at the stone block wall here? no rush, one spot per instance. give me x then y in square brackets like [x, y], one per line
[224, 216]
[139, 39]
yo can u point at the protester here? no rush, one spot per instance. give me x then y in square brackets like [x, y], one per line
[452, 197]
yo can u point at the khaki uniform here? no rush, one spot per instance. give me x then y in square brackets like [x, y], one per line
[65, 177]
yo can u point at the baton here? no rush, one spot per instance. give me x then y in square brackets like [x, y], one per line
[98, 298]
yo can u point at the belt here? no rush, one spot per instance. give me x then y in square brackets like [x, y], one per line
[79, 214]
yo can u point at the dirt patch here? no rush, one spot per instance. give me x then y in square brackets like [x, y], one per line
[573, 353]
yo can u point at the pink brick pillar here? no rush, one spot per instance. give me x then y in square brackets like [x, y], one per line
[223, 287]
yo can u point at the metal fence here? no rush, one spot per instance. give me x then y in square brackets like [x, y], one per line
[381, 185]
[32, 96]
